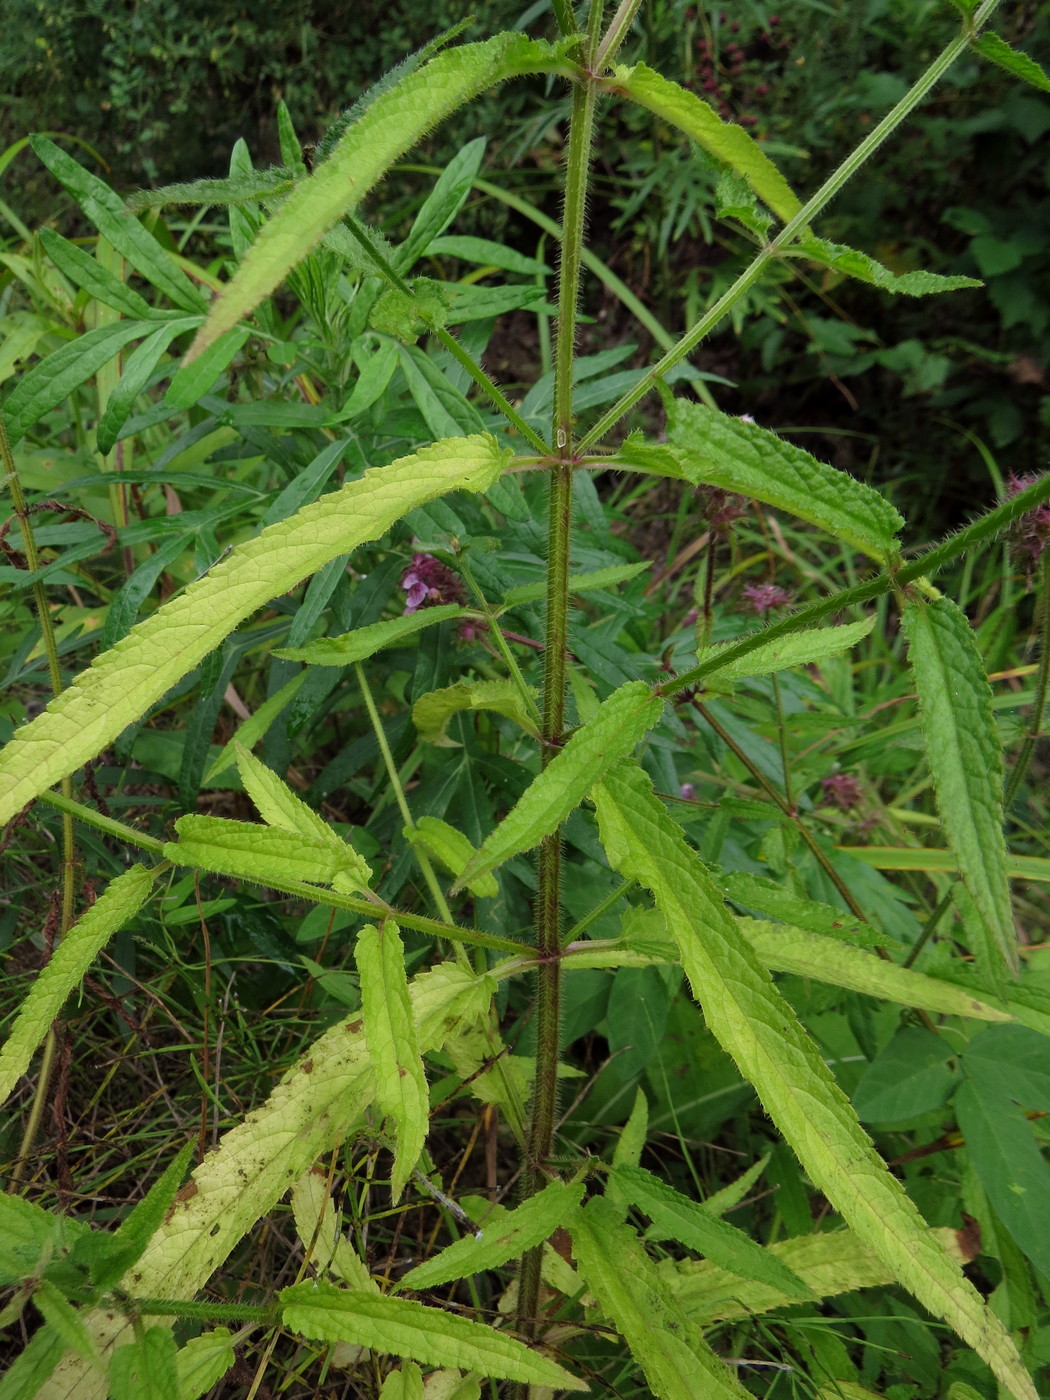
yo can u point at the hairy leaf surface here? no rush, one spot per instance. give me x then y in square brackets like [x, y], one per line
[119, 903]
[797, 649]
[758, 1028]
[617, 725]
[966, 764]
[403, 1328]
[401, 1081]
[122, 683]
[670, 1349]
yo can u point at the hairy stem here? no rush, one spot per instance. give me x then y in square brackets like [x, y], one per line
[1042, 686]
[548, 904]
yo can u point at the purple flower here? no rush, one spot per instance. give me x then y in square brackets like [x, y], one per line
[688, 791]
[1029, 535]
[763, 596]
[427, 582]
[841, 790]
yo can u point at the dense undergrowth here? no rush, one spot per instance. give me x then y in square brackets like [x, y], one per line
[752, 720]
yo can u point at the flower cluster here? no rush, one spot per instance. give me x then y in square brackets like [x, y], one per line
[1030, 535]
[841, 790]
[427, 583]
[763, 596]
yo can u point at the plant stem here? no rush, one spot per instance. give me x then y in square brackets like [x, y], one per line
[920, 567]
[548, 904]
[813, 206]
[47, 633]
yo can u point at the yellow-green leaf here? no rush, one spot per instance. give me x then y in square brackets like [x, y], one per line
[726, 141]
[717, 450]
[669, 1347]
[120, 902]
[796, 649]
[618, 724]
[966, 764]
[401, 1081]
[389, 127]
[757, 1027]
[534, 1221]
[125, 681]
[364, 642]
[251, 852]
[430, 1335]
[453, 849]
[432, 712]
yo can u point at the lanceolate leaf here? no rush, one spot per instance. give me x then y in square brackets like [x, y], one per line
[53, 380]
[797, 649]
[130, 238]
[618, 724]
[758, 1028]
[671, 1350]
[430, 1335]
[785, 949]
[714, 449]
[279, 807]
[364, 642]
[123, 683]
[519, 1230]
[121, 901]
[966, 764]
[854, 263]
[725, 141]
[989, 45]
[401, 1082]
[87, 272]
[140, 365]
[829, 1263]
[390, 126]
[251, 852]
[311, 1111]
[192, 380]
[675, 1217]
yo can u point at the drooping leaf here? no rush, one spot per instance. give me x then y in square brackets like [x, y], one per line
[364, 642]
[758, 1028]
[618, 724]
[453, 849]
[388, 127]
[675, 1217]
[785, 949]
[119, 903]
[726, 141]
[829, 1263]
[131, 239]
[670, 1348]
[911, 1075]
[51, 382]
[717, 450]
[401, 1081]
[122, 684]
[989, 45]
[797, 649]
[429, 1335]
[145, 1369]
[966, 764]
[432, 713]
[854, 263]
[521, 1229]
